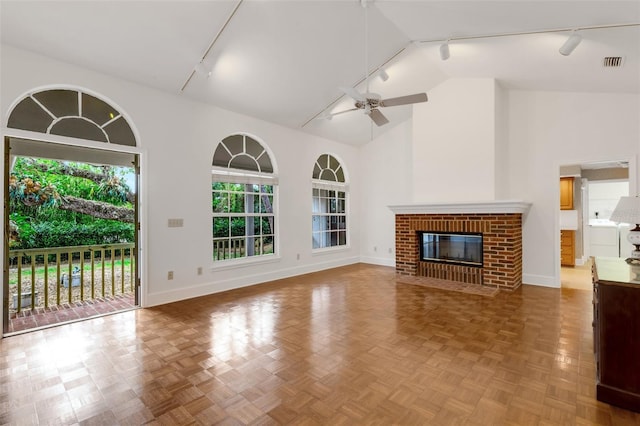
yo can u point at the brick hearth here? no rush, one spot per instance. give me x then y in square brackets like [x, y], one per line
[502, 246]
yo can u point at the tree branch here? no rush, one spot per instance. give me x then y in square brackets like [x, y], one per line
[96, 209]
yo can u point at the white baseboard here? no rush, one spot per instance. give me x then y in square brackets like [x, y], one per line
[204, 289]
[540, 280]
[382, 261]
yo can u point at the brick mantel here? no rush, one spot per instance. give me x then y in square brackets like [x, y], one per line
[499, 222]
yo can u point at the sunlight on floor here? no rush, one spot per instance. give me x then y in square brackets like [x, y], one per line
[578, 277]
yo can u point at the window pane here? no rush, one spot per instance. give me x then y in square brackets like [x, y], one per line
[28, 115]
[340, 174]
[342, 207]
[341, 194]
[268, 247]
[333, 163]
[342, 238]
[220, 202]
[234, 144]
[333, 205]
[236, 201]
[78, 128]
[97, 110]
[342, 222]
[220, 227]
[120, 132]
[267, 204]
[62, 103]
[221, 157]
[334, 222]
[237, 226]
[267, 224]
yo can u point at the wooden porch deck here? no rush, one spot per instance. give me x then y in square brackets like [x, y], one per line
[28, 320]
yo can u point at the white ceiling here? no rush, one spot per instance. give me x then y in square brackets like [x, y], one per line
[283, 61]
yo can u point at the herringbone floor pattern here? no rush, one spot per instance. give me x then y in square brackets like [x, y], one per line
[344, 346]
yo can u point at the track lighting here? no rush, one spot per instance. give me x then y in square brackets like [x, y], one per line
[444, 51]
[570, 45]
[383, 75]
[201, 68]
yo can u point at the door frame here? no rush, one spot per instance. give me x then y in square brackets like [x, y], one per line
[139, 210]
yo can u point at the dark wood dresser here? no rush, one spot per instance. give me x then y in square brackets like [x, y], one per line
[616, 332]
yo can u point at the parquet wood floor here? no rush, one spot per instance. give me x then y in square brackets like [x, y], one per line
[344, 346]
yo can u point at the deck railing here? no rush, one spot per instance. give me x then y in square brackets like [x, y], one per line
[41, 278]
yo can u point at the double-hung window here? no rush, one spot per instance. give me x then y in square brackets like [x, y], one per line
[329, 204]
[243, 200]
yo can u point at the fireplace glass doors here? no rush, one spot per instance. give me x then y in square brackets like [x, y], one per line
[455, 248]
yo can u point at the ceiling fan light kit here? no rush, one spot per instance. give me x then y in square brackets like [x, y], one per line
[370, 102]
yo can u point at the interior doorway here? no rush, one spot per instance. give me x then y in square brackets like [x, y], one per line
[597, 187]
[62, 270]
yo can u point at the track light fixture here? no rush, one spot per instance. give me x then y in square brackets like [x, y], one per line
[569, 46]
[383, 75]
[201, 68]
[444, 51]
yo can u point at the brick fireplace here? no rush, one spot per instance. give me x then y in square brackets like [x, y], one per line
[499, 222]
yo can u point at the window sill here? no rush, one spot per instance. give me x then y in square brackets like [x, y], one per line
[329, 250]
[243, 263]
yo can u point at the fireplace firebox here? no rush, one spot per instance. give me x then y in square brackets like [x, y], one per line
[453, 248]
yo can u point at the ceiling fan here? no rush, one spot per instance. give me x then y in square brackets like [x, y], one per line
[370, 102]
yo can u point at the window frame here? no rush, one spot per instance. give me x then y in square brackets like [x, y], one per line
[339, 186]
[230, 175]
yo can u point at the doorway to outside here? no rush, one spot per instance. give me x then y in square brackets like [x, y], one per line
[71, 218]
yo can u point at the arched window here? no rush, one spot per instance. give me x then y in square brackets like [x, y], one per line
[329, 203]
[243, 197]
[73, 113]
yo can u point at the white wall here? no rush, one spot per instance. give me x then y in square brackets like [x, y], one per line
[454, 143]
[386, 163]
[547, 130]
[178, 138]
[604, 197]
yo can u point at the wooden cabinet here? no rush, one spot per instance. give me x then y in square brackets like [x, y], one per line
[616, 331]
[566, 193]
[567, 248]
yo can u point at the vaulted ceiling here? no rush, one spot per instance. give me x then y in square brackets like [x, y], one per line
[284, 61]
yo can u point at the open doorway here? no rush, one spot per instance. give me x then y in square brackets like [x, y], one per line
[585, 227]
[71, 214]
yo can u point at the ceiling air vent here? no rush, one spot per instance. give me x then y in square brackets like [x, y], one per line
[613, 61]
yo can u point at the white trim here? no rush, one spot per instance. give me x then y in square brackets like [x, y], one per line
[490, 207]
[540, 280]
[65, 140]
[382, 261]
[205, 289]
[328, 185]
[329, 250]
[221, 265]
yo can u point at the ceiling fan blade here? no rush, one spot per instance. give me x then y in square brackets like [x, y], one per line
[404, 100]
[378, 117]
[329, 116]
[353, 93]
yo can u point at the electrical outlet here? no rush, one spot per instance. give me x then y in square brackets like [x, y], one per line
[375, 248]
[199, 270]
[175, 223]
[298, 256]
[390, 250]
[170, 275]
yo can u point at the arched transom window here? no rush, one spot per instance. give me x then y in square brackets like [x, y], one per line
[72, 113]
[329, 203]
[243, 197]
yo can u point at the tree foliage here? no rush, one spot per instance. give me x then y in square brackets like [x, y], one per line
[55, 203]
